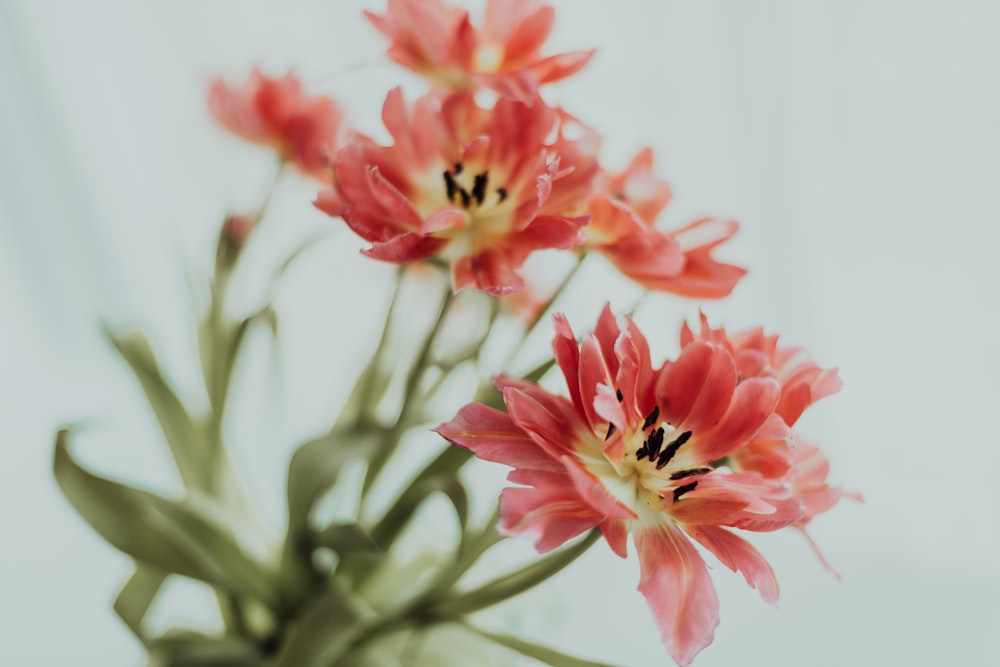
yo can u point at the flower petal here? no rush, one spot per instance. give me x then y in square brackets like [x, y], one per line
[492, 436]
[549, 508]
[677, 586]
[739, 556]
[696, 389]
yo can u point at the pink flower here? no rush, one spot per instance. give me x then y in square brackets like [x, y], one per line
[305, 130]
[480, 189]
[625, 209]
[438, 41]
[633, 450]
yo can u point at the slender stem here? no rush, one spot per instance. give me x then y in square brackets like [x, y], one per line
[369, 380]
[533, 324]
[411, 401]
[268, 198]
[514, 583]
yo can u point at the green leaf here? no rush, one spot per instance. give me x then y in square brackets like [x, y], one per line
[185, 437]
[316, 465]
[441, 474]
[326, 631]
[137, 595]
[191, 649]
[169, 535]
[347, 538]
[541, 653]
[313, 470]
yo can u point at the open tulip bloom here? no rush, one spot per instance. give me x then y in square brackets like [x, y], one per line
[684, 457]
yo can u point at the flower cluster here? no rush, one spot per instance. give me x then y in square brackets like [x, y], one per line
[480, 173]
[480, 187]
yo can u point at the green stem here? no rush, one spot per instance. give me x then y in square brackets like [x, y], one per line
[540, 315]
[412, 403]
[362, 404]
[514, 583]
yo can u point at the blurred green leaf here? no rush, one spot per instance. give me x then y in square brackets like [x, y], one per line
[347, 538]
[441, 474]
[191, 649]
[326, 631]
[541, 653]
[316, 465]
[186, 438]
[173, 536]
[313, 470]
[137, 595]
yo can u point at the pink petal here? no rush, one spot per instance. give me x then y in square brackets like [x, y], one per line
[491, 271]
[328, 202]
[696, 389]
[561, 65]
[549, 429]
[751, 404]
[567, 353]
[739, 556]
[449, 217]
[492, 436]
[615, 532]
[677, 586]
[405, 248]
[395, 205]
[550, 509]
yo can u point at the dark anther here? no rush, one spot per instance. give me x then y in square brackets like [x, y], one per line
[653, 444]
[681, 490]
[671, 449]
[681, 474]
[611, 430]
[502, 193]
[620, 395]
[466, 198]
[458, 168]
[479, 187]
[651, 418]
[450, 185]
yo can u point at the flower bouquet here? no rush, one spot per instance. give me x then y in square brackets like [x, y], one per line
[487, 200]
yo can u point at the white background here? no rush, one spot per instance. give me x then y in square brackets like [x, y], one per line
[856, 141]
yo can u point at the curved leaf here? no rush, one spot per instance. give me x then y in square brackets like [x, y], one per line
[137, 595]
[186, 438]
[170, 535]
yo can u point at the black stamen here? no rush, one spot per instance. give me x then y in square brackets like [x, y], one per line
[611, 430]
[681, 474]
[502, 193]
[620, 395]
[450, 185]
[642, 453]
[479, 187]
[653, 444]
[681, 490]
[671, 449]
[651, 418]
[458, 168]
[466, 198]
